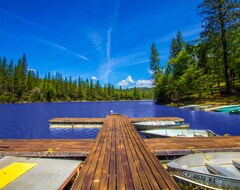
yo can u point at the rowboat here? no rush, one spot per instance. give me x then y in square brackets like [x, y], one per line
[191, 107]
[216, 170]
[235, 111]
[214, 108]
[163, 133]
[231, 109]
[147, 125]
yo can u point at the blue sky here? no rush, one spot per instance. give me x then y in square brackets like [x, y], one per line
[108, 40]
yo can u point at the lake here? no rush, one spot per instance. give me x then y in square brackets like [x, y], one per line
[29, 121]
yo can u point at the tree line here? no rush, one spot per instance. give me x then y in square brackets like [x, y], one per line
[206, 67]
[18, 83]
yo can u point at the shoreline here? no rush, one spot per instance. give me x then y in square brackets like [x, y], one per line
[24, 102]
[217, 101]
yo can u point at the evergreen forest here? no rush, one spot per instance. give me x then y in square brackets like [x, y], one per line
[18, 83]
[207, 68]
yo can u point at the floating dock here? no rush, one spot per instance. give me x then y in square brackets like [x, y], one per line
[119, 158]
[76, 122]
[81, 148]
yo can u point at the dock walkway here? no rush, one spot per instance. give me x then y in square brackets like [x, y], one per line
[120, 159]
[76, 148]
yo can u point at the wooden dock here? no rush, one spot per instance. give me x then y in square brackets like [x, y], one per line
[183, 146]
[67, 120]
[135, 120]
[46, 147]
[120, 159]
[82, 147]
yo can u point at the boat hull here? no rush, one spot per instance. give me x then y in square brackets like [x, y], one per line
[148, 127]
[187, 184]
[212, 181]
[166, 133]
[232, 109]
[213, 169]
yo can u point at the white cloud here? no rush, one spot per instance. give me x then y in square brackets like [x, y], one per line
[32, 70]
[150, 71]
[94, 78]
[125, 82]
[144, 83]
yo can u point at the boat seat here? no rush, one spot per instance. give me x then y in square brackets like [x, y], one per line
[220, 170]
[198, 136]
[236, 163]
[181, 135]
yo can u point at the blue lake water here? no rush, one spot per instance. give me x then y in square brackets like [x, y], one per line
[28, 121]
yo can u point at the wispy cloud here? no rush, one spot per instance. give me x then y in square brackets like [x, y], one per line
[96, 40]
[130, 59]
[24, 20]
[192, 32]
[106, 68]
[115, 16]
[108, 48]
[48, 43]
[60, 47]
[119, 62]
[187, 31]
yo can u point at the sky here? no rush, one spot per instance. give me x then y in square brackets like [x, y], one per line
[106, 40]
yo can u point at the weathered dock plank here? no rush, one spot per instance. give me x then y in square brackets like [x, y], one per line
[78, 120]
[46, 147]
[140, 168]
[135, 120]
[82, 147]
[183, 146]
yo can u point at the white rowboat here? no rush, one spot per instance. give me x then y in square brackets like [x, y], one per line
[162, 133]
[214, 170]
[147, 125]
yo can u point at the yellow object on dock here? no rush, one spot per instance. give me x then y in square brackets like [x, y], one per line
[13, 171]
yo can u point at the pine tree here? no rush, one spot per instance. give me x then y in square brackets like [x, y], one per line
[154, 63]
[220, 16]
[176, 45]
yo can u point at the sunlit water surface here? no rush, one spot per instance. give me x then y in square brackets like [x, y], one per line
[28, 121]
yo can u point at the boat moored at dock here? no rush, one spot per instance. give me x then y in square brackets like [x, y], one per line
[230, 109]
[163, 133]
[191, 107]
[147, 125]
[217, 107]
[213, 170]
